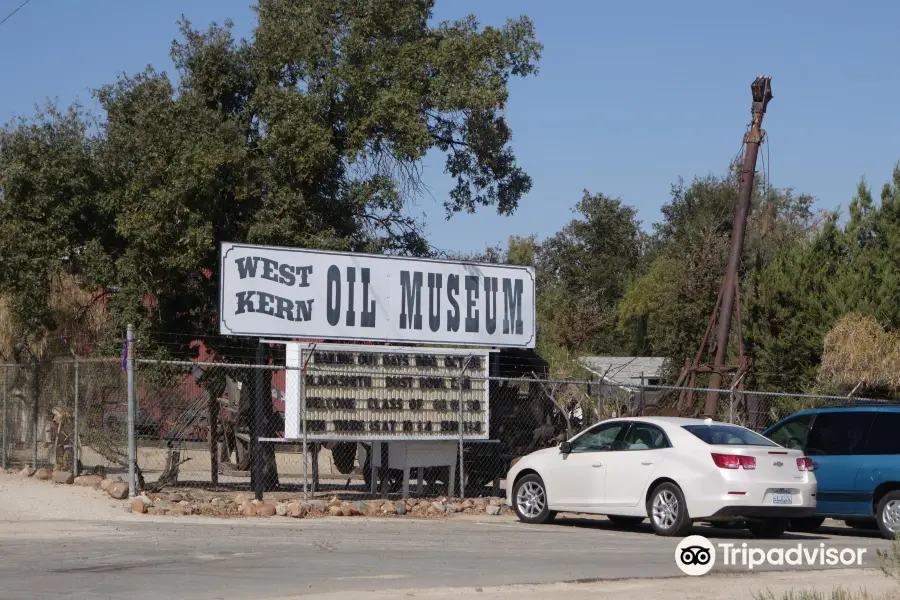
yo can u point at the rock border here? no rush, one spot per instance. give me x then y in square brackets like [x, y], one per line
[243, 504]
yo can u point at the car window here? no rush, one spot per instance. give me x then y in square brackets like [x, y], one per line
[599, 438]
[839, 433]
[644, 436]
[728, 435]
[792, 433]
[884, 438]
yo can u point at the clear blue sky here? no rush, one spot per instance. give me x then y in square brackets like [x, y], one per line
[630, 96]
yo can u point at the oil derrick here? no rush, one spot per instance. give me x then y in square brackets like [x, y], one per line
[728, 304]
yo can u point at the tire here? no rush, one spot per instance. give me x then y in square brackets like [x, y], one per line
[530, 500]
[806, 524]
[625, 522]
[668, 511]
[888, 515]
[770, 528]
[861, 524]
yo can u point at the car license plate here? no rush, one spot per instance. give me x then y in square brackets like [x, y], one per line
[778, 498]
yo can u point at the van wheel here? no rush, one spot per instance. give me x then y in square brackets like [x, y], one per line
[770, 528]
[889, 515]
[530, 500]
[668, 511]
[806, 524]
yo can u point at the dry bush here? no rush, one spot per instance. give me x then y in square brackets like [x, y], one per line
[858, 351]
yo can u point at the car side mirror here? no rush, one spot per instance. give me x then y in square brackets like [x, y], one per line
[565, 447]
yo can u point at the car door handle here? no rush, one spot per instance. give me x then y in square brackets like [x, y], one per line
[647, 462]
[597, 465]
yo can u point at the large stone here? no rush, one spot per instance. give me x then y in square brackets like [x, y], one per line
[467, 504]
[242, 498]
[138, 506]
[297, 510]
[64, 477]
[401, 508]
[335, 502]
[89, 480]
[454, 508]
[439, 506]
[319, 505]
[176, 497]
[349, 511]
[265, 510]
[43, 474]
[389, 508]
[248, 509]
[106, 484]
[493, 510]
[26, 472]
[118, 490]
[497, 502]
[335, 511]
[281, 509]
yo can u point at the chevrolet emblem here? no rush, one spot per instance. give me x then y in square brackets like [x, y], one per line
[778, 463]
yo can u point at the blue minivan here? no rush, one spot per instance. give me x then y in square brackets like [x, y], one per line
[856, 453]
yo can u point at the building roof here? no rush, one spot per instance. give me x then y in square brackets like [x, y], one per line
[624, 370]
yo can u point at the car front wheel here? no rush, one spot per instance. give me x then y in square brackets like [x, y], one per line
[668, 511]
[530, 500]
[889, 515]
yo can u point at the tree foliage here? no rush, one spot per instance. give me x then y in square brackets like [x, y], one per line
[310, 134]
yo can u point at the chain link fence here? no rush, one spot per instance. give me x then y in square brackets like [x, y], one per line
[369, 424]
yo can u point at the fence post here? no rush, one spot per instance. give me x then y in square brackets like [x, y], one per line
[132, 400]
[36, 396]
[257, 468]
[75, 470]
[462, 468]
[731, 406]
[5, 388]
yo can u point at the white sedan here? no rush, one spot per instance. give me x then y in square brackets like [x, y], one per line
[675, 471]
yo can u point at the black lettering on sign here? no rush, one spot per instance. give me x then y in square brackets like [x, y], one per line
[453, 290]
[434, 301]
[351, 280]
[466, 383]
[395, 360]
[439, 405]
[368, 312]
[333, 358]
[269, 304]
[319, 402]
[273, 270]
[316, 426]
[426, 360]
[432, 383]
[247, 266]
[366, 359]
[416, 404]
[304, 273]
[490, 312]
[448, 426]
[471, 297]
[472, 427]
[338, 381]
[473, 405]
[454, 405]
[512, 306]
[385, 404]
[398, 382]
[344, 425]
[287, 276]
[333, 305]
[410, 300]
[407, 426]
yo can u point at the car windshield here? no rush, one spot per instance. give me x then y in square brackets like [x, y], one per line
[728, 435]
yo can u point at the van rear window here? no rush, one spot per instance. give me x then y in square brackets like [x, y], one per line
[728, 435]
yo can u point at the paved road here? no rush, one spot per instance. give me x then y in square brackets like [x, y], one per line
[147, 558]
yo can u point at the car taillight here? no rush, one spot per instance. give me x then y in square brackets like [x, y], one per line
[734, 461]
[806, 464]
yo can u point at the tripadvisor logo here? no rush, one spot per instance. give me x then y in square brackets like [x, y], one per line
[695, 555]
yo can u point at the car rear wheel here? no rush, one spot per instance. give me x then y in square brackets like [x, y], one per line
[889, 515]
[530, 500]
[806, 524]
[625, 522]
[668, 511]
[770, 528]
